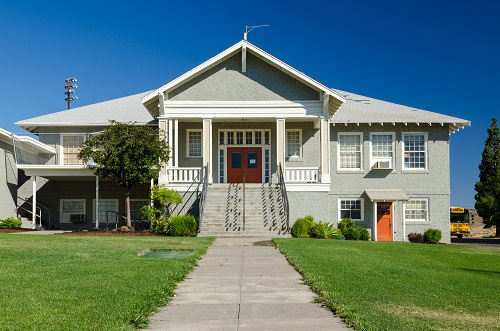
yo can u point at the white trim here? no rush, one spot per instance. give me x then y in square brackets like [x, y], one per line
[188, 131]
[417, 221]
[287, 142]
[361, 142]
[376, 159]
[61, 220]
[339, 209]
[426, 147]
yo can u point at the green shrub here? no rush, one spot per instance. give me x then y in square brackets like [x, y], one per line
[300, 228]
[10, 223]
[432, 236]
[183, 226]
[338, 236]
[416, 237]
[351, 234]
[159, 225]
[344, 224]
[322, 230]
[363, 233]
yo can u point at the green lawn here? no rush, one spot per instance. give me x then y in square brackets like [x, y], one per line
[57, 282]
[402, 286]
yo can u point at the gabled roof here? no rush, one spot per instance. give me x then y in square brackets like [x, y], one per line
[126, 109]
[26, 143]
[335, 98]
[361, 109]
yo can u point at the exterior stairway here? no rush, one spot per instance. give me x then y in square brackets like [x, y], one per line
[264, 211]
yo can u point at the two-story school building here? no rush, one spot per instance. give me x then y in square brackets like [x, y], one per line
[245, 116]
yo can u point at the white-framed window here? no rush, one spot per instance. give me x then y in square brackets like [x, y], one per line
[382, 148]
[294, 143]
[107, 210]
[71, 146]
[416, 210]
[72, 210]
[135, 208]
[194, 139]
[350, 148]
[415, 151]
[351, 208]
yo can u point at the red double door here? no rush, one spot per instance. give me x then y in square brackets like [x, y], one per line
[243, 160]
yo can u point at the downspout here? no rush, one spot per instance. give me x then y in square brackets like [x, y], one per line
[97, 202]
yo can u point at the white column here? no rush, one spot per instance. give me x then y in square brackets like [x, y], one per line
[170, 142]
[163, 136]
[176, 142]
[280, 142]
[207, 147]
[97, 202]
[325, 150]
[33, 207]
[375, 221]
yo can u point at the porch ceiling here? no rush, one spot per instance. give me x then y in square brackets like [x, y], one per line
[386, 195]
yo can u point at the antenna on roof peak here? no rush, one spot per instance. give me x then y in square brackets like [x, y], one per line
[250, 28]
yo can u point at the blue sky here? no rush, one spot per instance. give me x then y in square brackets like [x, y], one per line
[441, 56]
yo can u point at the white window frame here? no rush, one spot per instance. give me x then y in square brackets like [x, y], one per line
[62, 153]
[415, 220]
[287, 149]
[426, 151]
[360, 134]
[188, 140]
[100, 201]
[66, 220]
[134, 200]
[374, 159]
[361, 200]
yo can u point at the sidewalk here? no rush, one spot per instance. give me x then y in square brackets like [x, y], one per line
[238, 286]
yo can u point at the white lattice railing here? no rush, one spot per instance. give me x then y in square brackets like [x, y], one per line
[183, 175]
[302, 175]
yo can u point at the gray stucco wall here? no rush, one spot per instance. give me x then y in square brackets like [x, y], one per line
[226, 82]
[311, 147]
[432, 184]
[8, 181]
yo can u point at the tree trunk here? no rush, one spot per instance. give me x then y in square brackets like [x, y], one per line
[497, 233]
[127, 207]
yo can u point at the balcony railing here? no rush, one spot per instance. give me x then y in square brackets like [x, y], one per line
[302, 175]
[183, 175]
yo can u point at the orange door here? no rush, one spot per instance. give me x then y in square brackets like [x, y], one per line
[241, 160]
[384, 221]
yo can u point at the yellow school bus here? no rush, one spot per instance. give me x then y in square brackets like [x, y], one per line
[460, 219]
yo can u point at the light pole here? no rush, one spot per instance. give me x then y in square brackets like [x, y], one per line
[69, 87]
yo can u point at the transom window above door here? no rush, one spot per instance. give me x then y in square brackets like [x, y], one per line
[244, 137]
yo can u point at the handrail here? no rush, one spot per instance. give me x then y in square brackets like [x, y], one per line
[245, 172]
[203, 196]
[38, 205]
[282, 185]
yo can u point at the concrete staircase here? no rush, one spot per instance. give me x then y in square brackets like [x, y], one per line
[223, 213]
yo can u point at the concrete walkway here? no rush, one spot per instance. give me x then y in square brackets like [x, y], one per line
[239, 286]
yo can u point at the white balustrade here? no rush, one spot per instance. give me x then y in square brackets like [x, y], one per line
[302, 175]
[182, 175]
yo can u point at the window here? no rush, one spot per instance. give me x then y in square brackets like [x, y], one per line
[72, 210]
[294, 143]
[382, 148]
[416, 210]
[194, 143]
[351, 208]
[135, 208]
[107, 210]
[350, 151]
[71, 147]
[414, 151]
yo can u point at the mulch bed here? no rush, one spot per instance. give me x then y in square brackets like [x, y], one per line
[15, 230]
[109, 233]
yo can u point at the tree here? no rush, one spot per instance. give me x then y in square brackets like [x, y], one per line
[488, 187]
[128, 154]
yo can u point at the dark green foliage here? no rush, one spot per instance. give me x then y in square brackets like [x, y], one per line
[352, 232]
[488, 187]
[322, 230]
[416, 237]
[300, 228]
[10, 223]
[363, 233]
[432, 236]
[183, 226]
[126, 153]
[338, 236]
[345, 224]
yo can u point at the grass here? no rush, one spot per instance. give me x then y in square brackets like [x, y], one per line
[401, 286]
[60, 282]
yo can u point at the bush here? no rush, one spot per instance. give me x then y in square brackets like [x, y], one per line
[352, 232]
[159, 225]
[322, 230]
[416, 237]
[338, 236]
[363, 233]
[10, 223]
[344, 224]
[432, 236]
[183, 226]
[300, 228]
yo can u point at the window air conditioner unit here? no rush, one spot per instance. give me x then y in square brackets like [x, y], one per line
[76, 218]
[382, 165]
